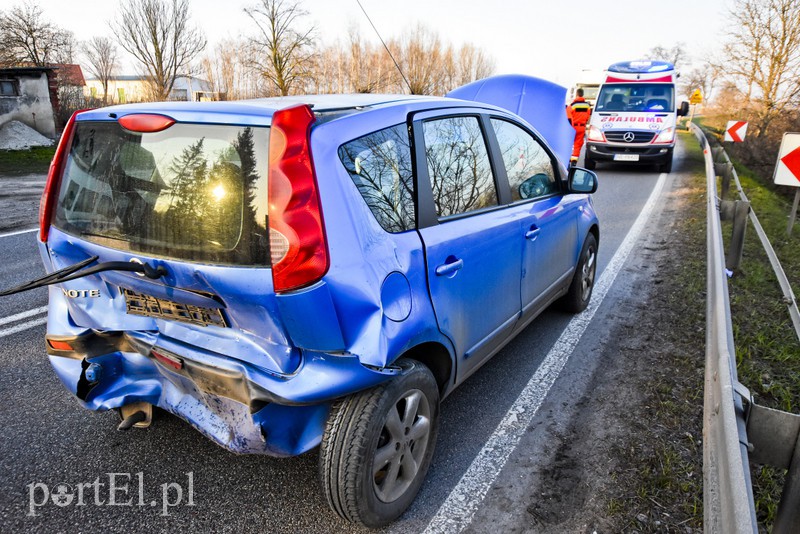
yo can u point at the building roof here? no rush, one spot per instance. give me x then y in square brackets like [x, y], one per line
[10, 71]
[137, 78]
[69, 74]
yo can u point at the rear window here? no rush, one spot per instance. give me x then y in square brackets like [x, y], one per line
[191, 192]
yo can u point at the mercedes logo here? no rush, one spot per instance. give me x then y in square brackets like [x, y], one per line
[628, 137]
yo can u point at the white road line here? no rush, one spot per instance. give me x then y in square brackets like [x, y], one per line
[23, 315]
[460, 506]
[22, 326]
[18, 232]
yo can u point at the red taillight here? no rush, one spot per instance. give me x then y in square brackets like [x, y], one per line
[59, 345]
[48, 201]
[298, 245]
[145, 122]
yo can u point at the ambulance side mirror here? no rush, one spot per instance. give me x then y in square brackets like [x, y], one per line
[684, 109]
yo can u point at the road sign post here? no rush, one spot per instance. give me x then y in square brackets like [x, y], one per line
[793, 214]
[696, 98]
[787, 171]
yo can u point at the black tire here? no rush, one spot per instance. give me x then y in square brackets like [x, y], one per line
[667, 165]
[580, 290]
[588, 163]
[359, 427]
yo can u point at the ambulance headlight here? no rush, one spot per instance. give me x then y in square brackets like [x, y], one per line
[595, 134]
[666, 135]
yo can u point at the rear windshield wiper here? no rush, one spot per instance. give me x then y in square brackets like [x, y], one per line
[71, 273]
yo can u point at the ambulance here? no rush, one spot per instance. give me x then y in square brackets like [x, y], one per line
[634, 120]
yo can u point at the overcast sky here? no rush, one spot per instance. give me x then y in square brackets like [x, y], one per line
[550, 39]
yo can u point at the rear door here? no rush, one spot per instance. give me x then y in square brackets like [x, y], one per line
[472, 245]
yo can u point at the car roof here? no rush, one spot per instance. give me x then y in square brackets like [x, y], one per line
[259, 111]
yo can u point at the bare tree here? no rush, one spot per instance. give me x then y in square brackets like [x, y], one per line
[419, 53]
[66, 52]
[704, 77]
[27, 37]
[284, 49]
[158, 34]
[473, 64]
[433, 68]
[676, 54]
[762, 56]
[101, 56]
[369, 69]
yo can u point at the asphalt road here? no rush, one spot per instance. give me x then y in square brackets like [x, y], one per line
[49, 440]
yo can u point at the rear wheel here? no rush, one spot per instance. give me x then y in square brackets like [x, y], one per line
[580, 290]
[377, 447]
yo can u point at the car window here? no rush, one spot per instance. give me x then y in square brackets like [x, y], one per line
[458, 165]
[380, 166]
[528, 165]
[192, 192]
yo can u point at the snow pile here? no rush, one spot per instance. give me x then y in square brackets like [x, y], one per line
[17, 136]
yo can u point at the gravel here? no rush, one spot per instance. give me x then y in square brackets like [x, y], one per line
[15, 135]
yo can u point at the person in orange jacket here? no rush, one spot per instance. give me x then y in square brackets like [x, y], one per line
[578, 113]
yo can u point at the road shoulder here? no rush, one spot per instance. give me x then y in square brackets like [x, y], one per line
[627, 454]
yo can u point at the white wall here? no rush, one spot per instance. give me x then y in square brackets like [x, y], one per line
[32, 107]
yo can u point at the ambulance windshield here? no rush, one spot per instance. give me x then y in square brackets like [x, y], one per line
[651, 97]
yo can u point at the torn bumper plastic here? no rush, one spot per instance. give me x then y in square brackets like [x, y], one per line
[243, 408]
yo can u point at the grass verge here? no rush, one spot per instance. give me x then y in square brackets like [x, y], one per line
[33, 161]
[661, 489]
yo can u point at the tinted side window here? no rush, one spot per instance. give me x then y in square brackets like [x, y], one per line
[529, 167]
[380, 166]
[458, 165]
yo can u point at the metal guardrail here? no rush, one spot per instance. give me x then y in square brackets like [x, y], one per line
[727, 493]
[735, 429]
[724, 168]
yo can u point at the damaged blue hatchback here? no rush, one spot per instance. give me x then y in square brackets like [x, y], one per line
[293, 272]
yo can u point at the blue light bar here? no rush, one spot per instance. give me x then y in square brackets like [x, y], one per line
[641, 67]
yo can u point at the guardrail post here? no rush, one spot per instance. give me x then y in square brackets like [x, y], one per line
[736, 249]
[787, 520]
[721, 167]
[726, 179]
[727, 208]
[716, 153]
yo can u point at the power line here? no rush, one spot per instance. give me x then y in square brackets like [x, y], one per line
[386, 47]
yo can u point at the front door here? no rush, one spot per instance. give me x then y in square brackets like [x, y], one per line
[548, 217]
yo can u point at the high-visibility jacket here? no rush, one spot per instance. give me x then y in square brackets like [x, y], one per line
[579, 112]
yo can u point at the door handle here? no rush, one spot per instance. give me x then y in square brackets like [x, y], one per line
[533, 233]
[449, 268]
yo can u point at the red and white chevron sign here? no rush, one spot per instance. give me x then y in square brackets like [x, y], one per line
[787, 170]
[735, 131]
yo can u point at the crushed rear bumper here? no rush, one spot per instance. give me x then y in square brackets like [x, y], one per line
[242, 407]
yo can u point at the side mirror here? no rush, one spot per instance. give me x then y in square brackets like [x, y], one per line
[536, 186]
[684, 109]
[582, 181]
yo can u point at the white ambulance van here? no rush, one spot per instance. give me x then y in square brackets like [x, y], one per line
[635, 117]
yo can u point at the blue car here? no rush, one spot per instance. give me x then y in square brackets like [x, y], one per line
[310, 271]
